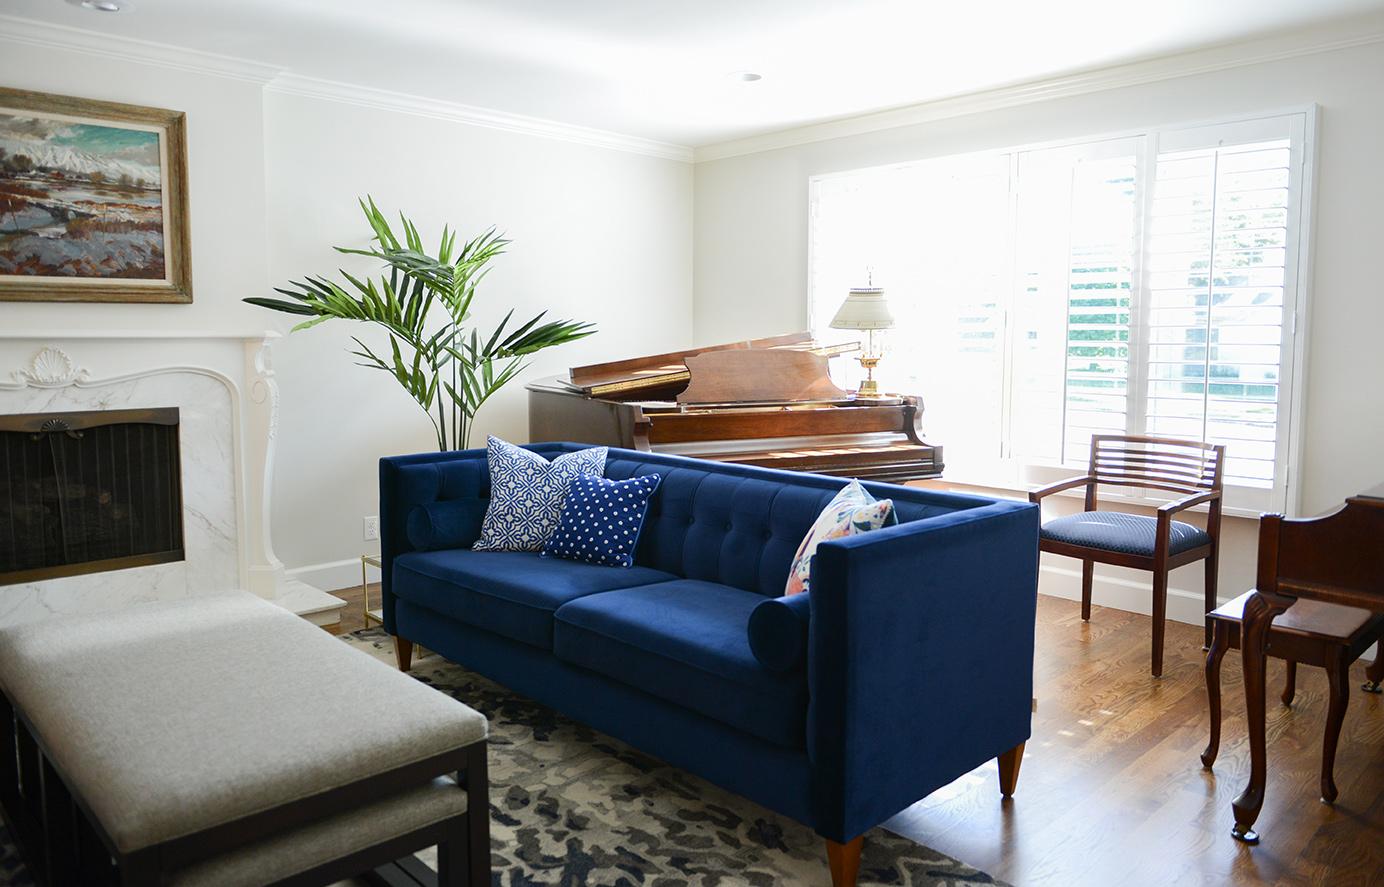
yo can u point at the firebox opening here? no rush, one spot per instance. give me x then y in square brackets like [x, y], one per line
[85, 492]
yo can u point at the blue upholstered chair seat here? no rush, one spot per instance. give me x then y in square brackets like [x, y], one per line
[1121, 532]
[686, 641]
[512, 593]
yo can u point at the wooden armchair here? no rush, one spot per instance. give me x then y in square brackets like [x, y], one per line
[1159, 544]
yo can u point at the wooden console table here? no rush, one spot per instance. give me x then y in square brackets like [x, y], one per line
[1339, 559]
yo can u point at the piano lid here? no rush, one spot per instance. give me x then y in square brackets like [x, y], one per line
[758, 375]
[665, 376]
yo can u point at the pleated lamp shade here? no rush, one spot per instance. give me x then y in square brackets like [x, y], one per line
[864, 309]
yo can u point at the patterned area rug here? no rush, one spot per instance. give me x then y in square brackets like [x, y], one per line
[572, 807]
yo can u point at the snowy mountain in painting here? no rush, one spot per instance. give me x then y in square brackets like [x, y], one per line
[72, 160]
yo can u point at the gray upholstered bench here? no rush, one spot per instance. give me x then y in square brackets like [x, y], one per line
[225, 742]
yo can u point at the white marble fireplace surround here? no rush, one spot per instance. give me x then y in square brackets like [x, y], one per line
[223, 386]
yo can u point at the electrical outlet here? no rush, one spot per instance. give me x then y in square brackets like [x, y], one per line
[371, 529]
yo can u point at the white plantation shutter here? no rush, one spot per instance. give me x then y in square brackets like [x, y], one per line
[1220, 238]
[1145, 284]
[1076, 246]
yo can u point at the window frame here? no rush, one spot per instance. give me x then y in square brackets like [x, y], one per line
[1012, 473]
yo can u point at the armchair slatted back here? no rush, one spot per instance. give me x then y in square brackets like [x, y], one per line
[1186, 467]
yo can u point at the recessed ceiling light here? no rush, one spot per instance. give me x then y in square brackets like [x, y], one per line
[746, 76]
[102, 5]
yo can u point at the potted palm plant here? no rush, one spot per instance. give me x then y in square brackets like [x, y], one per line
[423, 302]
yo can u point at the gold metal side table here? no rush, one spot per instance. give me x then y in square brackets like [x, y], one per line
[375, 616]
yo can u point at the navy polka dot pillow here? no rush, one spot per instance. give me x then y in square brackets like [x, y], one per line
[601, 520]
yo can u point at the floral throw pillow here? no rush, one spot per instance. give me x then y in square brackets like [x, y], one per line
[527, 492]
[853, 511]
[601, 520]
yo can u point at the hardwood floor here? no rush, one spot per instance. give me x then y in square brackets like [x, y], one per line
[1112, 791]
[352, 618]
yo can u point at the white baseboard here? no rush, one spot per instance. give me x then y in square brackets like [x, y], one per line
[1122, 594]
[1134, 597]
[333, 575]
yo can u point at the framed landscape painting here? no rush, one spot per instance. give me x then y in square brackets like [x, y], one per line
[93, 201]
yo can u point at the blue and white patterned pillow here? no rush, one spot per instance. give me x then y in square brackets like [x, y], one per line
[601, 521]
[527, 492]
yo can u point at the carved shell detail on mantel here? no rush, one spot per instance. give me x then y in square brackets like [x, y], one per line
[51, 368]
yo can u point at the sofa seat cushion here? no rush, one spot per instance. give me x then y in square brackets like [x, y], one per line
[686, 641]
[512, 593]
[1121, 532]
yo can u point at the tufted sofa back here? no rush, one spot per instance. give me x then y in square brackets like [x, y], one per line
[718, 522]
[740, 526]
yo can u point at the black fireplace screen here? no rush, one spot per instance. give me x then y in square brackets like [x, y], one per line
[88, 491]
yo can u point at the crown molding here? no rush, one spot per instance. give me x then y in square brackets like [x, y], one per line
[1187, 64]
[440, 109]
[276, 79]
[50, 36]
[66, 335]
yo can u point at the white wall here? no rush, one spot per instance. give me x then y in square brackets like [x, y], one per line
[225, 138]
[600, 235]
[751, 251]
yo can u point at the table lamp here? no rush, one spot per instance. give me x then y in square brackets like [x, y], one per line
[865, 309]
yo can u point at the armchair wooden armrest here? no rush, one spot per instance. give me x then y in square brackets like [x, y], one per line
[1068, 484]
[1168, 509]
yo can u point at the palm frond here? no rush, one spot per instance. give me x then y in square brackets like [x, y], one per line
[421, 303]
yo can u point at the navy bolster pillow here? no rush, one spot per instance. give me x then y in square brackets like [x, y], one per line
[778, 632]
[450, 523]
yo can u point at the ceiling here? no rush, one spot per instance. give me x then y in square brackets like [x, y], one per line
[661, 69]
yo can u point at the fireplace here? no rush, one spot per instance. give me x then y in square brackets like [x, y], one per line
[84, 492]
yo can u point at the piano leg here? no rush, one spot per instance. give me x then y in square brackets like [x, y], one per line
[1260, 611]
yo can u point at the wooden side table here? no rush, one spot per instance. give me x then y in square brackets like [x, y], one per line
[1339, 559]
[1311, 633]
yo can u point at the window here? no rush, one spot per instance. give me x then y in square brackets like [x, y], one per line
[1142, 284]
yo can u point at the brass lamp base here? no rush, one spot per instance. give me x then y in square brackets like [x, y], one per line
[868, 386]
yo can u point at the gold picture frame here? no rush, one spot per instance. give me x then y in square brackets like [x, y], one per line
[93, 201]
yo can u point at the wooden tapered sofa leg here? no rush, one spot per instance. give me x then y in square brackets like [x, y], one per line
[844, 861]
[403, 653]
[1009, 769]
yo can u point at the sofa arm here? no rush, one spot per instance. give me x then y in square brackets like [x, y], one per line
[920, 661]
[422, 479]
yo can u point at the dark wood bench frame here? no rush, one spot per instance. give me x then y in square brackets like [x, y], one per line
[62, 843]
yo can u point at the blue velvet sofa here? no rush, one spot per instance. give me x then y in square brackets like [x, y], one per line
[908, 664]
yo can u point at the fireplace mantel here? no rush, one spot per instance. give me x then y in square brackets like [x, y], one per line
[234, 433]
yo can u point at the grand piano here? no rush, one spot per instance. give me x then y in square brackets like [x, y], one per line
[768, 402]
